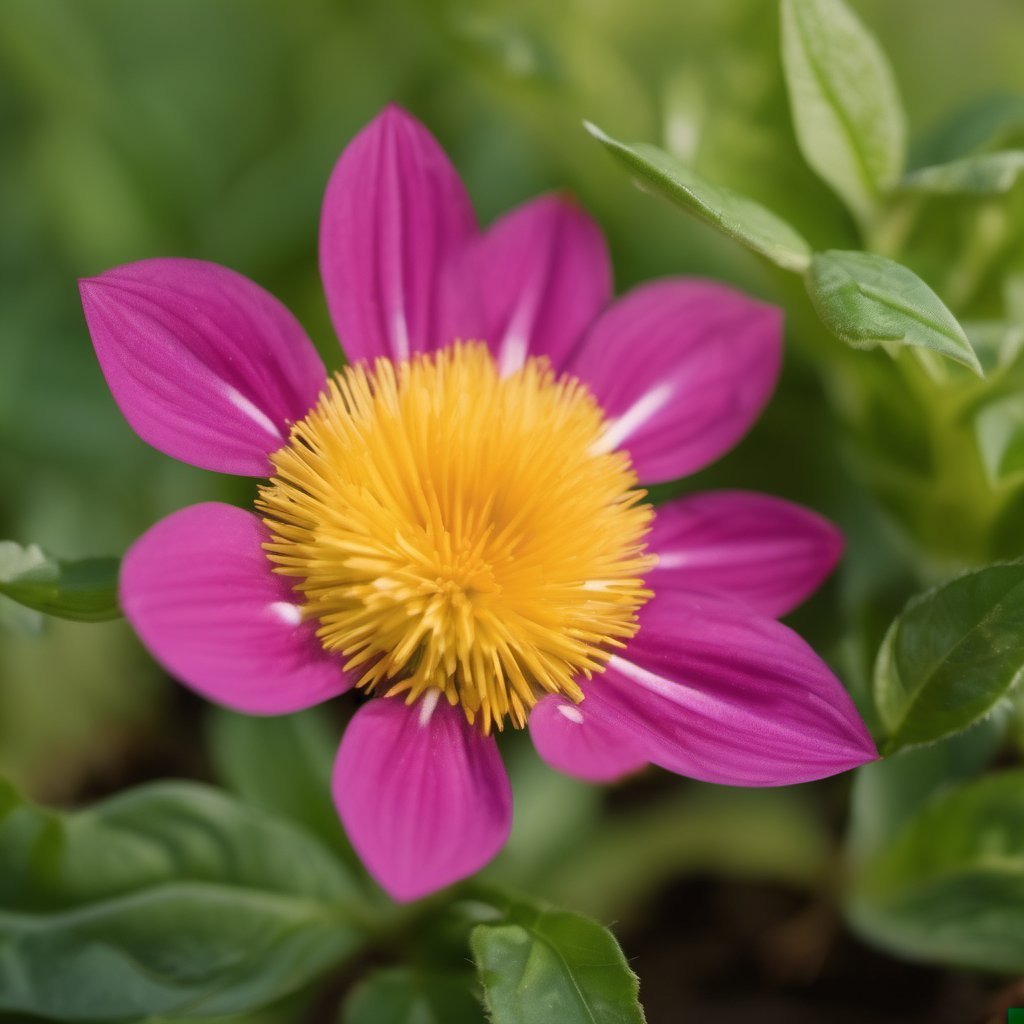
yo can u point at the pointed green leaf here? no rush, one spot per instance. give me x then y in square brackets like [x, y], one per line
[540, 965]
[984, 174]
[84, 590]
[743, 219]
[846, 108]
[401, 996]
[169, 899]
[951, 655]
[868, 300]
[951, 887]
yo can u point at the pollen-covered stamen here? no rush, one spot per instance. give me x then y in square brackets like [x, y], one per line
[459, 531]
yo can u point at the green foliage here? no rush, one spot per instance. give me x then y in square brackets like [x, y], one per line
[993, 121]
[740, 218]
[402, 996]
[15, 562]
[84, 590]
[999, 428]
[539, 965]
[618, 870]
[951, 887]
[889, 792]
[867, 300]
[846, 109]
[983, 174]
[549, 830]
[281, 765]
[951, 656]
[170, 899]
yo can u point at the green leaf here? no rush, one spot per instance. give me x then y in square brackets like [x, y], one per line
[170, 899]
[846, 108]
[540, 965]
[17, 561]
[987, 123]
[84, 590]
[400, 996]
[868, 300]
[281, 764]
[743, 219]
[888, 792]
[951, 655]
[981, 175]
[951, 887]
[999, 427]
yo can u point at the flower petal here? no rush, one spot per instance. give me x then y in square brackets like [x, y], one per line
[200, 593]
[395, 229]
[767, 552]
[572, 742]
[682, 368]
[709, 689]
[205, 365]
[423, 794]
[545, 275]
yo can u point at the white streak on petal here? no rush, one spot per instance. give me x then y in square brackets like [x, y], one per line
[288, 613]
[573, 714]
[655, 683]
[623, 427]
[428, 703]
[248, 408]
[400, 334]
[674, 559]
[514, 345]
[513, 354]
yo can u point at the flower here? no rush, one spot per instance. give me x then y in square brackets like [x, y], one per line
[452, 522]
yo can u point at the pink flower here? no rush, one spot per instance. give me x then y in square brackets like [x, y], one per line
[455, 528]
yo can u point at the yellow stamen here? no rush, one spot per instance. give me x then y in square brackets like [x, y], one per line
[457, 530]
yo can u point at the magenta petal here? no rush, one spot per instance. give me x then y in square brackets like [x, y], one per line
[395, 230]
[682, 368]
[572, 742]
[545, 275]
[767, 552]
[205, 365]
[200, 593]
[423, 794]
[709, 689]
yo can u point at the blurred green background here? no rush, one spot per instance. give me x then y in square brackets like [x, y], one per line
[207, 128]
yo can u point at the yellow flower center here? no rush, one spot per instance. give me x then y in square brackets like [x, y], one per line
[457, 531]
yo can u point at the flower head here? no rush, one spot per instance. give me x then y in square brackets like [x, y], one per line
[458, 533]
[453, 522]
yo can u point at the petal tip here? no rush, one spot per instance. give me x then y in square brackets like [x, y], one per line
[834, 543]
[392, 117]
[92, 289]
[394, 110]
[395, 225]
